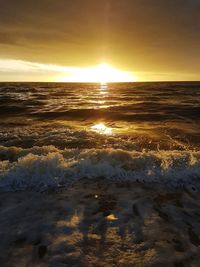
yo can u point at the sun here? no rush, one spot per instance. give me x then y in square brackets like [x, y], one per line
[102, 73]
[105, 74]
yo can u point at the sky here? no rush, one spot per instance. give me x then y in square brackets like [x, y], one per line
[48, 40]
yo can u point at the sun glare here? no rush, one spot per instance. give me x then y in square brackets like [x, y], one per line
[101, 128]
[102, 73]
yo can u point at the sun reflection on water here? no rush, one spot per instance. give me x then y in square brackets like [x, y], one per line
[101, 102]
[103, 88]
[101, 128]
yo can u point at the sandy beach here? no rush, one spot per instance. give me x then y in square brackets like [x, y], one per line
[101, 223]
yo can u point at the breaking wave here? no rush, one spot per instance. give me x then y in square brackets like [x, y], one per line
[38, 168]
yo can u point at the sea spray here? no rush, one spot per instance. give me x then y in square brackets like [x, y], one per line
[36, 167]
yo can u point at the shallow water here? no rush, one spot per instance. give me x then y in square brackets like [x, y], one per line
[100, 223]
[51, 134]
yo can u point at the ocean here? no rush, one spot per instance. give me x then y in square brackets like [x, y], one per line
[53, 134]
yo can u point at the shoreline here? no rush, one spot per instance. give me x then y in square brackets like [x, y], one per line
[100, 223]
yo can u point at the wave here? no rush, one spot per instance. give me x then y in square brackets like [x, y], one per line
[38, 168]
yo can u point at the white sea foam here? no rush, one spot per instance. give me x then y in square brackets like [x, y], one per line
[40, 167]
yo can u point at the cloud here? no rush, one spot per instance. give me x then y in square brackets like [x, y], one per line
[19, 70]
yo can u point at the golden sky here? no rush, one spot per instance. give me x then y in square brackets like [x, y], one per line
[43, 40]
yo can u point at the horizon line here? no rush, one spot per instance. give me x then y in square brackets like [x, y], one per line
[158, 81]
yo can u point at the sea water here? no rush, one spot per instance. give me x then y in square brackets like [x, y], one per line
[52, 134]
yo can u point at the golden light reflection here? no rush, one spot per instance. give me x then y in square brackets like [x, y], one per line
[104, 86]
[111, 217]
[103, 92]
[103, 89]
[101, 128]
[102, 73]
[101, 102]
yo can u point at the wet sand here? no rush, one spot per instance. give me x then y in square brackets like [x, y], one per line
[99, 223]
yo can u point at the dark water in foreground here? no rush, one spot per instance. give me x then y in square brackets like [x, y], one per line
[52, 134]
